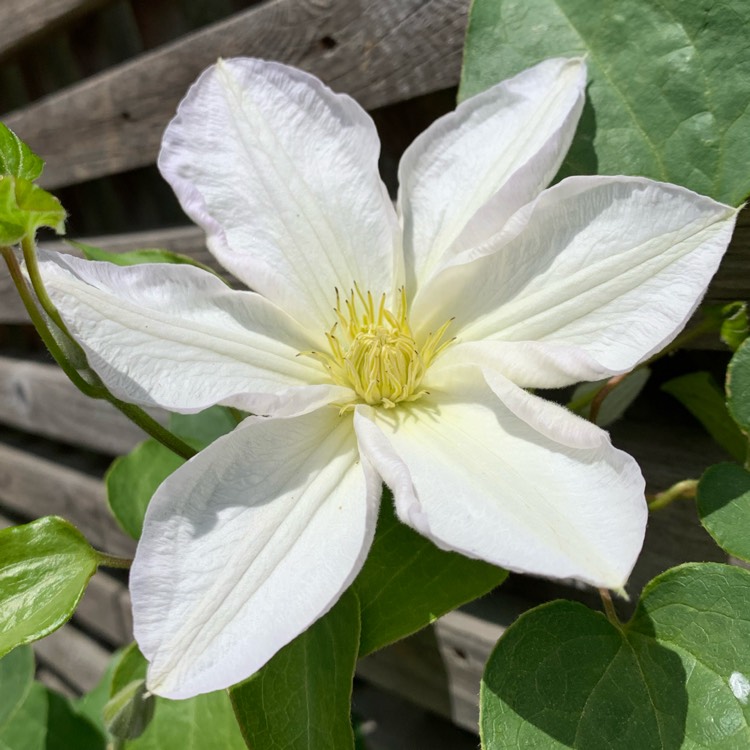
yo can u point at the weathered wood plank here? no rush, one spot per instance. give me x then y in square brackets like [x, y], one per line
[440, 667]
[105, 610]
[388, 722]
[379, 52]
[39, 398]
[75, 657]
[23, 20]
[52, 681]
[31, 486]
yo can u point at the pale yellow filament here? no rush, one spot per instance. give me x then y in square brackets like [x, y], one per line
[373, 351]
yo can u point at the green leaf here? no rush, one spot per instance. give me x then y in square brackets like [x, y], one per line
[675, 676]
[407, 582]
[724, 507]
[129, 711]
[201, 429]
[699, 393]
[27, 728]
[205, 722]
[301, 699]
[35, 718]
[16, 158]
[734, 326]
[24, 207]
[136, 257]
[91, 704]
[16, 677]
[131, 481]
[617, 401]
[130, 666]
[738, 387]
[68, 729]
[44, 569]
[669, 92]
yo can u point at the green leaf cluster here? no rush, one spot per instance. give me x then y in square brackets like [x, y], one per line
[676, 676]
[24, 206]
[146, 722]
[16, 158]
[32, 717]
[669, 91]
[724, 489]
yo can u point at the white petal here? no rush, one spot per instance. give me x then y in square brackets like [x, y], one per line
[282, 174]
[509, 478]
[177, 337]
[247, 545]
[604, 272]
[472, 169]
[529, 364]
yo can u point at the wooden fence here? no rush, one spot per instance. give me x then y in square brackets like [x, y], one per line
[91, 84]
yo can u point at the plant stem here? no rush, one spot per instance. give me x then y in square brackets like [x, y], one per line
[28, 246]
[41, 326]
[609, 607]
[112, 561]
[149, 425]
[683, 490]
[603, 392]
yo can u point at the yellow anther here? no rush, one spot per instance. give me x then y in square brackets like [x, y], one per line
[373, 351]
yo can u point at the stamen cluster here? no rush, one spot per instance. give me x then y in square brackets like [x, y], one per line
[373, 350]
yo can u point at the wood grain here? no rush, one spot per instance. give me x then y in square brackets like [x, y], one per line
[23, 20]
[74, 656]
[380, 53]
[440, 667]
[39, 399]
[32, 486]
[105, 610]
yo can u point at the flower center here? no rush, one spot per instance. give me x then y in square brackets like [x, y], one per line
[373, 351]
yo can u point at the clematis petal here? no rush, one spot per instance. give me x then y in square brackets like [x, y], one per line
[529, 364]
[509, 478]
[246, 546]
[603, 273]
[472, 169]
[176, 336]
[283, 176]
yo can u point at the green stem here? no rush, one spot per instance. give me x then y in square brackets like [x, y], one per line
[609, 607]
[41, 326]
[602, 393]
[112, 561]
[684, 490]
[28, 246]
[149, 425]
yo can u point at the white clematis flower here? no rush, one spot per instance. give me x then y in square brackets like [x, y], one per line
[381, 346]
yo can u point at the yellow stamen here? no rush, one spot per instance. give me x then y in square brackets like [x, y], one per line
[373, 351]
